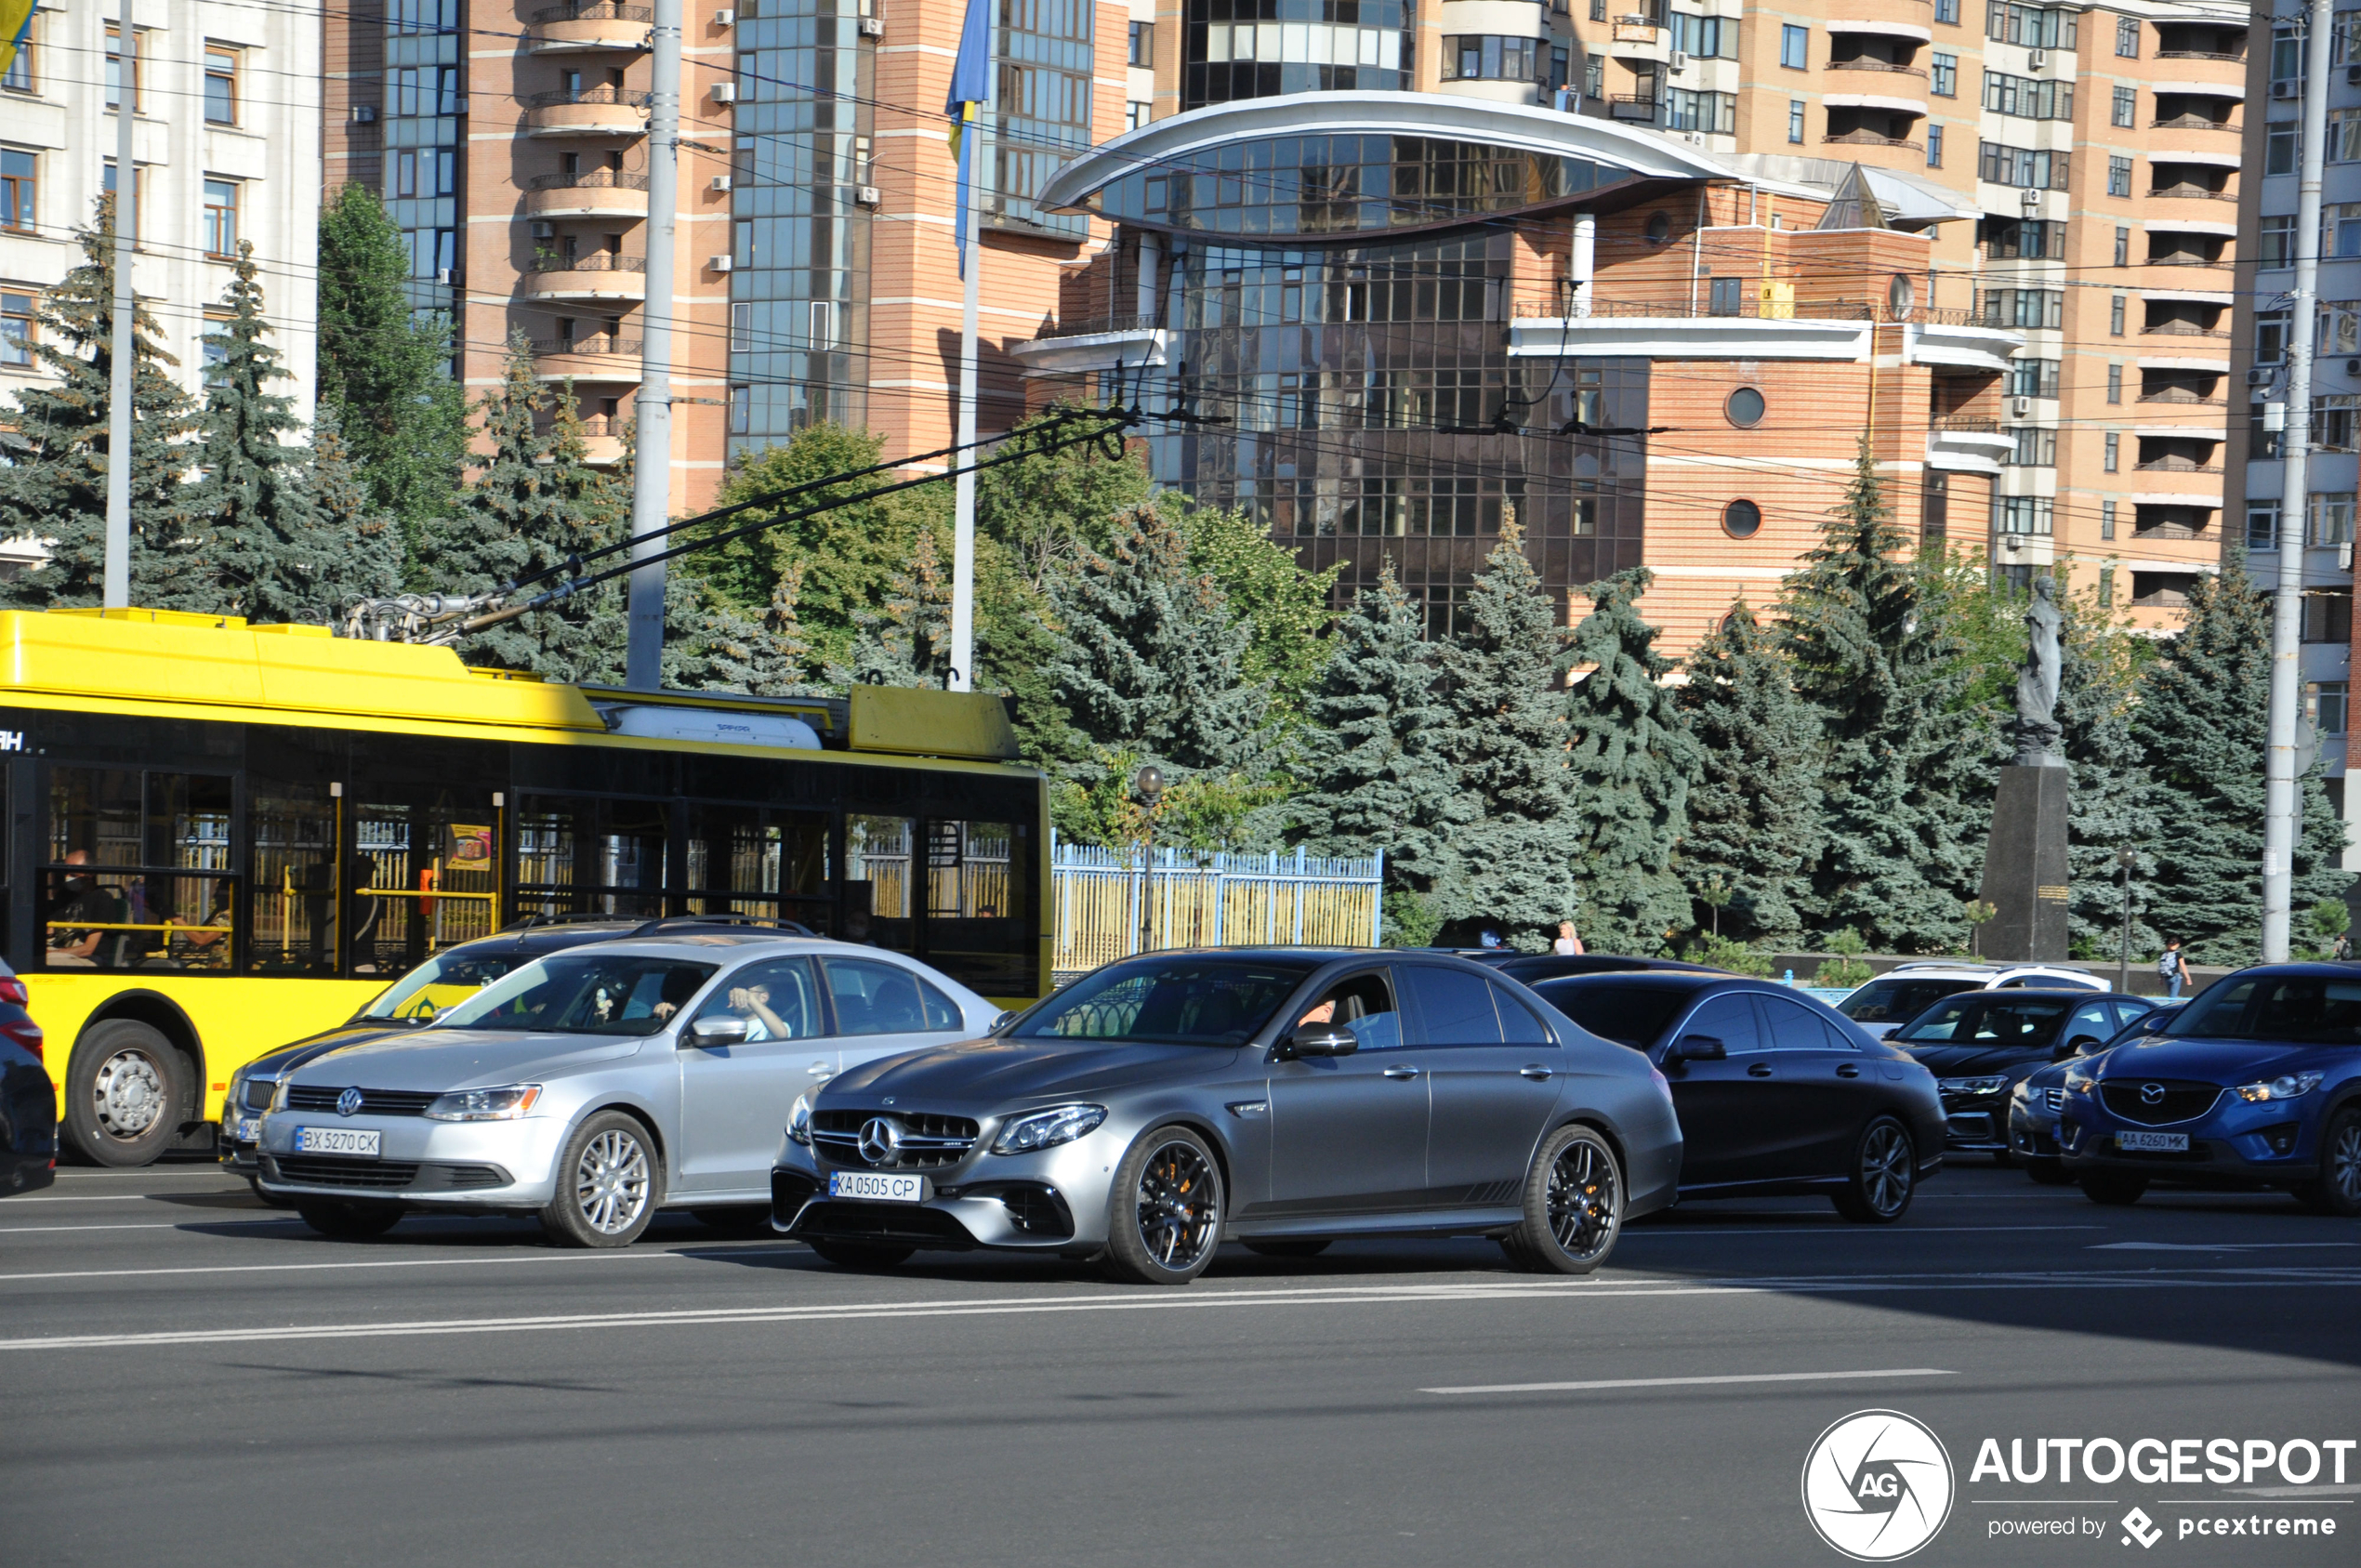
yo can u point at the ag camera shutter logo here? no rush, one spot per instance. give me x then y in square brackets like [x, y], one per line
[1876, 1485]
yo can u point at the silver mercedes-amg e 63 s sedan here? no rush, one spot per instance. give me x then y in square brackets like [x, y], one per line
[1278, 1097]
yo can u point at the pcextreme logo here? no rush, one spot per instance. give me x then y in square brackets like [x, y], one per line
[1876, 1485]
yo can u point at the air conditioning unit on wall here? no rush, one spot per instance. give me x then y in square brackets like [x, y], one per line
[720, 263]
[2020, 407]
[725, 92]
[873, 27]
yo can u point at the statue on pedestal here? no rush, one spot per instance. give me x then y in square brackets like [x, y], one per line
[2039, 736]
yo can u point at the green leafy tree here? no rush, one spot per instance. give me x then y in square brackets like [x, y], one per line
[1632, 767]
[1284, 607]
[1508, 748]
[2201, 723]
[1905, 809]
[1754, 812]
[53, 483]
[1049, 507]
[385, 367]
[1376, 751]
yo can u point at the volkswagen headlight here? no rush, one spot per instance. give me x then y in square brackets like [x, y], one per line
[1993, 1084]
[279, 1097]
[504, 1104]
[799, 1121]
[2285, 1087]
[1046, 1129]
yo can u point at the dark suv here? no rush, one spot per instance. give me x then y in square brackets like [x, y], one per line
[1979, 1045]
[28, 1100]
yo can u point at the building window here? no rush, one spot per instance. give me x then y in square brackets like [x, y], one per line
[2037, 447]
[2107, 531]
[741, 327]
[2122, 246]
[1943, 74]
[139, 196]
[1598, 10]
[2107, 573]
[16, 330]
[1561, 69]
[2115, 317]
[1716, 113]
[2328, 617]
[2270, 336]
[1947, 10]
[2024, 514]
[2126, 107]
[1795, 119]
[2263, 525]
[1594, 77]
[2332, 421]
[19, 182]
[2114, 383]
[215, 345]
[1144, 44]
[2027, 98]
[2279, 142]
[2032, 378]
[2330, 521]
[2325, 703]
[1744, 408]
[1740, 520]
[2274, 242]
[1794, 46]
[1705, 37]
[2344, 136]
[741, 406]
[2114, 459]
[2118, 176]
[114, 76]
[1483, 57]
[220, 87]
[2023, 239]
[19, 78]
[2028, 168]
[1137, 113]
[1725, 297]
[2127, 40]
[221, 218]
[2036, 26]
[2043, 308]
[1934, 147]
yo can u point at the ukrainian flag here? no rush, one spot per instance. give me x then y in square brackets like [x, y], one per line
[971, 90]
[16, 24]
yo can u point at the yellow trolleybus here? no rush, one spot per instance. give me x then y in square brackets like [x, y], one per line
[222, 838]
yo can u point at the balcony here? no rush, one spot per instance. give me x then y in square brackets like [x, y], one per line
[592, 194]
[586, 112]
[2175, 465]
[1956, 340]
[2191, 122]
[2186, 193]
[585, 359]
[591, 26]
[2200, 54]
[1865, 64]
[603, 439]
[1630, 106]
[1873, 139]
[595, 278]
[1789, 329]
[1967, 444]
[1882, 27]
[1637, 38]
[1094, 343]
[2184, 395]
[2183, 329]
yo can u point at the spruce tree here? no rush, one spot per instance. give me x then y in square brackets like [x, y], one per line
[1508, 750]
[908, 641]
[2110, 801]
[53, 484]
[1376, 738]
[2201, 723]
[1632, 764]
[385, 367]
[1754, 812]
[366, 553]
[1906, 811]
[764, 656]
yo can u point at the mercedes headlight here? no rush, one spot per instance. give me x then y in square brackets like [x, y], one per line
[799, 1121]
[504, 1104]
[1990, 1085]
[2285, 1087]
[1046, 1129]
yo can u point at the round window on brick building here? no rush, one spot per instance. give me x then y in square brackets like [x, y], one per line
[1659, 228]
[1740, 518]
[1744, 408]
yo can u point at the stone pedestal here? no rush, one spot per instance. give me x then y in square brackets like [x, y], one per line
[2025, 868]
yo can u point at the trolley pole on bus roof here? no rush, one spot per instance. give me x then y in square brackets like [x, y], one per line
[115, 586]
[2281, 801]
[652, 468]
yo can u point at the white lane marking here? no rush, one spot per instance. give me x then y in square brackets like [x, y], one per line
[307, 1267]
[2209, 1246]
[1691, 1382]
[1348, 1296]
[140, 1225]
[1844, 1230]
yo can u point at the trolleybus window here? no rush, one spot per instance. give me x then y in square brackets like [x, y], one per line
[138, 871]
[590, 857]
[750, 860]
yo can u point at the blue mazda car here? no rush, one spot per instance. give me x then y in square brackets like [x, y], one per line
[2256, 1083]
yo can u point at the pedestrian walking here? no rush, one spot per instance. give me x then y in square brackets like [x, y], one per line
[1567, 942]
[2172, 968]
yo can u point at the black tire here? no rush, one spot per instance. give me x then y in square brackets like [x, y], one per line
[1883, 1177]
[861, 1255]
[2338, 1190]
[742, 1222]
[610, 1182]
[2002, 1159]
[126, 1092]
[2048, 1172]
[2115, 1188]
[1573, 1205]
[347, 1222]
[271, 1198]
[1164, 1220]
[1288, 1248]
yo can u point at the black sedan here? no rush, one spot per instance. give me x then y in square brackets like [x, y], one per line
[1980, 1045]
[1777, 1091]
[28, 1100]
[1534, 968]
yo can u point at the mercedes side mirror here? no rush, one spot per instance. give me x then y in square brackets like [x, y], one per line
[1322, 1039]
[722, 1031]
[1698, 1048]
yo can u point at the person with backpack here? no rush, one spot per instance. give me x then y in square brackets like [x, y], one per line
[2172, 968]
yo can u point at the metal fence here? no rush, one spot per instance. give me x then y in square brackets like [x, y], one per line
[1109, 903]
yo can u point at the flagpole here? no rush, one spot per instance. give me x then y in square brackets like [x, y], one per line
[963, 545]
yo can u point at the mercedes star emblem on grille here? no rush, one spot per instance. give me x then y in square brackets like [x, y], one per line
[2151, 1094]
[879, 1140]
[349, 1102]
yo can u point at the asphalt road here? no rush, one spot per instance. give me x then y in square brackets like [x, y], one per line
[189, 1377]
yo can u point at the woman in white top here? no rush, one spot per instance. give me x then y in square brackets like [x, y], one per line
[1567, 942]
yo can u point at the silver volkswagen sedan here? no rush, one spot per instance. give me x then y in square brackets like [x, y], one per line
[1278, 1097]
[593, 1087]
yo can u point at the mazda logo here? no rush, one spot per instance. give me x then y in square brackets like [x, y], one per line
[880, 1140]
[349, 1102]
[2151, 1094]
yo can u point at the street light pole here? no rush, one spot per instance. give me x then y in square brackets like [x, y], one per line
[1150, 783]
[116, 568]
[2125, 858]
[652, 468]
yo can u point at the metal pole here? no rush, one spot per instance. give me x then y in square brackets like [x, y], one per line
[115, 593]
[2279, 814]
[963, 536]
[652, 463]
[2123, 955]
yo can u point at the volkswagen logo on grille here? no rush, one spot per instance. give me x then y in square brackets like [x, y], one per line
[2151, 1094]
[349, 1102]
[880, 1140]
